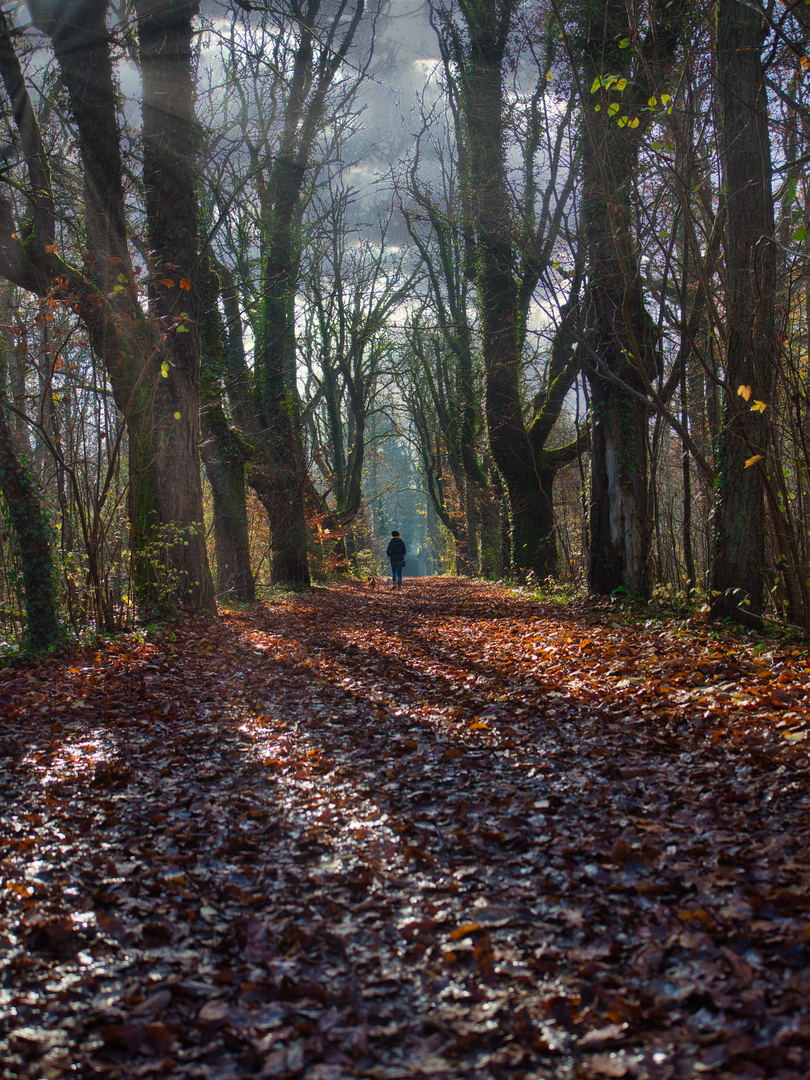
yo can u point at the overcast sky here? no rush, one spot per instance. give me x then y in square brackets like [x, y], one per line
[405, 57]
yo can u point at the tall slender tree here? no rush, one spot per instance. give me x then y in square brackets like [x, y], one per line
[618, 83]
[738, 556]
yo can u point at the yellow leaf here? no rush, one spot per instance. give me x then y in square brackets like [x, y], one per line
[744, 392]
[177, 416]
[464, 930]
[479, 725]
[753, 460]
[758, 406]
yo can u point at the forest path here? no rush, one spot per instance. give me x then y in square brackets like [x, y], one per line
[450, 832]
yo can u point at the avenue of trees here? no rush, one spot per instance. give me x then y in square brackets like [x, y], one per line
[557, 310]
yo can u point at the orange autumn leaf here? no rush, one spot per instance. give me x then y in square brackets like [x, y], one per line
[167, 283]
[185, 284]
[464, 931]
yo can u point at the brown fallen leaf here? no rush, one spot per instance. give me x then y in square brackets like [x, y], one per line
[302, 815]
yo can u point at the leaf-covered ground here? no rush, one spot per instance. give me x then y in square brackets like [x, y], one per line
[447, 833]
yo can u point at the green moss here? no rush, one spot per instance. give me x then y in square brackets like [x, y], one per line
[34, 537]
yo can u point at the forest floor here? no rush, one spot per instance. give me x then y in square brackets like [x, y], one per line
[452, 832]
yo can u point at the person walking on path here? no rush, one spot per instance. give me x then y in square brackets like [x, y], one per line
[396, 551]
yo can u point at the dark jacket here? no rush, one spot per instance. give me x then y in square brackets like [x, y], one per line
[396, 550]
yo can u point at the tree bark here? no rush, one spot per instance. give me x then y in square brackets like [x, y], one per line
[282, 478]
[34, 540]
[620, 335]
[231, 540]
[171, 457]
[225, 450]
[619, 524]
[738, 556]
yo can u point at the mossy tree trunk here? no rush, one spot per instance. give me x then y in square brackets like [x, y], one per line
[34, 540]
[226, 475]
[170, 176]
[738, 555]
[620, 333]
[282, 476]
[226, 452]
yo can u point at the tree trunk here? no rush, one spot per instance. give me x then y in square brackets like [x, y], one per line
[170, 448]
[620, 333]
[281, 494]
[738, 557]
[688, 550]
[480, 66]
[225, 450]
[34, 539]
[225, 454]
[619, 525]
[231, 540]
[491, 536]
[282, 477]
[534, 533]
